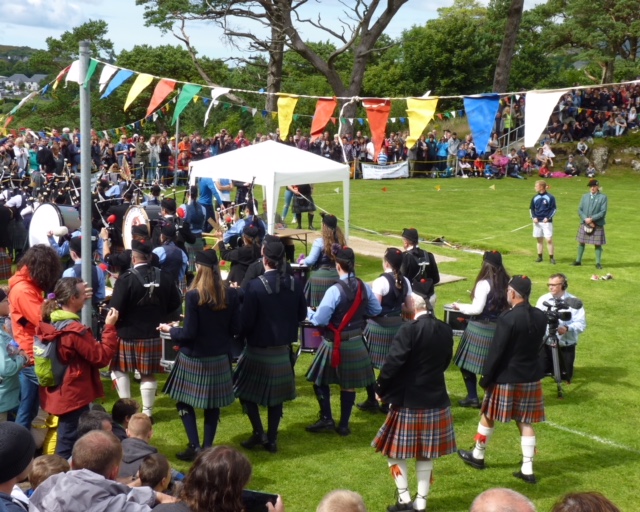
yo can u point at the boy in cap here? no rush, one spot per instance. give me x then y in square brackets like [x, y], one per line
[17, 448]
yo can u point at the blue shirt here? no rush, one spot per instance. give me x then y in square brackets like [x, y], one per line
[63, 250]
[316, 251]
[100, 293]
[236, 230]
[543, 206]
[162, 257]
[207, 191]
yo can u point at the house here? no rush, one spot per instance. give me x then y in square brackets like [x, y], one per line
[17, 81]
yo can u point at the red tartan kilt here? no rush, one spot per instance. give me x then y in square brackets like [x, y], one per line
[5, 266]
[142, 355]
[522, 402]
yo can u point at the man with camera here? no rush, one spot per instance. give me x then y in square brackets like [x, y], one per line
[571, 322]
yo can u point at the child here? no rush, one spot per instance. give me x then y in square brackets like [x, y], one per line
[45, 466]
[155, 472]
[121, 413]
[16, 453]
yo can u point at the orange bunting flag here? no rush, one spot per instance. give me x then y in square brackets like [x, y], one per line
[162, 90]
[384, 189]
[324, 109]
[60, 75]
[378, 111]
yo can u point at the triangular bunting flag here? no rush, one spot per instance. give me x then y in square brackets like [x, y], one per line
[420, 112]
[286, 106]
[93, 65]
[481, 113]
[60, 75]
[121, 77]
[378, 110]
[274, 115]
[74, 73]
[142, 82]
[162, 90]
[539, 108]
[216, 92]
[440, 117]
[107, 72]
[186, 95]
[254, 112]
[324, 108]
[393, 119]
[453, 114]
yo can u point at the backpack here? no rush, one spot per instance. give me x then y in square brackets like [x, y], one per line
[421, 283]
[47, 365]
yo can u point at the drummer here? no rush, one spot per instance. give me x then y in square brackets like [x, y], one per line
[118, 212]
[235, 232]
[122, 260]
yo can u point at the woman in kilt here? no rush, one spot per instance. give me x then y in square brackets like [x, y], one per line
[419, 424]
[201, 376]
[489, 300]
[303, 202]
[195, 214]
[322, 261]
[342, 358]
[393, 291]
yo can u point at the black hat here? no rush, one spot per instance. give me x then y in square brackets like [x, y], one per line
[271, 238]
[141, 247]
[493, 258]
[207, 258]
[394, 257]
[593, 183]
[155, 190]
[250, 230]
[140, 230]
[411, 234]
[17, 448]
[521, 284]
[168, 229]
[274, 250]
[331, 221]
[169, 204]
[75, 244]
[343, 253]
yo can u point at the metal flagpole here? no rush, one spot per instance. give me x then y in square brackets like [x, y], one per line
[85, 175]
[175, 161]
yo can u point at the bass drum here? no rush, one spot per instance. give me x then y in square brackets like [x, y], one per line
[51, 217]
[136, 215]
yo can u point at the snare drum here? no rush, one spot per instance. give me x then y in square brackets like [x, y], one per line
[51, 217]
[456, 319]
[301, 274]
[169, 352]
[136, 215]
[310, 337]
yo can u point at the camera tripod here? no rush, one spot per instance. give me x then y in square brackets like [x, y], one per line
[551, 339]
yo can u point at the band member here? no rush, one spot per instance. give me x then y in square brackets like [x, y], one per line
[419, 266]
[592, 212]
[542, 210]
[122, 261]
[419, 424]
[342, 357]
[273, 306]
[195, 214]
[511, 378]
[173, 260]
[144, 296]
[242, 257]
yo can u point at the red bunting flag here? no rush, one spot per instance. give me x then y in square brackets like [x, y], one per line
[162, 90]
[324, 109]
[378, 111]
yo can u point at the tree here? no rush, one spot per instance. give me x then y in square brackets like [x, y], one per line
[507, 50]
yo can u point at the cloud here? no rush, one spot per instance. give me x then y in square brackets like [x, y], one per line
[62, 14]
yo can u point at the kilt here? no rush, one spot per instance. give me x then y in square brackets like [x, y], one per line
[355, 370]
[142, 354]
[5, 265]
[264, 375]
[319, 282]
[474, 346]
[596, 238]
[521, 402]
[378, 340]
[416, 433]
[301, 205]
[201, 382]
[191, 251]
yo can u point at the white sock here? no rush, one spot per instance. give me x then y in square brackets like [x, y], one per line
[482, 439]
[122, 383]
[528, 444]
[148, 392]
[423, 475]
[399, 473]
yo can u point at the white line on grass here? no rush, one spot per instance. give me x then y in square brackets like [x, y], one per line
[598, 439]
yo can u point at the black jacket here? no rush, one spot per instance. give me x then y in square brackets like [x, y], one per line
[410, 267]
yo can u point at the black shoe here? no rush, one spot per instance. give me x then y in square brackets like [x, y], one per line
[311, 227]
[397, 507]
[384, 408]
[539, 260]
[552, 261]
[256, 439]
[271, 447]
[474, 403]
[576, 264]
[598, 266]
[189, 455]
[368, 405]
[343, 431]
[530, 479]
[322, 425]
[468, 458]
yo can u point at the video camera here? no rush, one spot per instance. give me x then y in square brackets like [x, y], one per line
[558, 311]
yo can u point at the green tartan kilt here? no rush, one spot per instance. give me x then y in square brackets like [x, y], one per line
[354, 371]
[319, 282]
[474, 346]
[191, 251]
[378, 340]
[264, 375]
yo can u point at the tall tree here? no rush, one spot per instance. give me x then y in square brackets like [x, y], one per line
[507, 50]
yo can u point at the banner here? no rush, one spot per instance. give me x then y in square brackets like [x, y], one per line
[216, 92]
[162, 90]
[378, 111]
[142, 82]
[186, 95]
[107, 72]
[286, 106]
[481, 114]
[324, 111]
[383, 172]
[420, 112]
[536, 116]
[74, 72]
[121, 77]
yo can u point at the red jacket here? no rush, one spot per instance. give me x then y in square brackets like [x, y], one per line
[85, 356]
[25, 299]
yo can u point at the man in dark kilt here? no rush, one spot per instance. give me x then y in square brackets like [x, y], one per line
[592, 212]
[511, 378]
[419, 266]
[144, 296]
[419, 423]
[342, 358]
[273, 306]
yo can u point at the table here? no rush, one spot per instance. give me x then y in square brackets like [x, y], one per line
[295, 234]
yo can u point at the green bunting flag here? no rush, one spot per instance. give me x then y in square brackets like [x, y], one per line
[186, 95]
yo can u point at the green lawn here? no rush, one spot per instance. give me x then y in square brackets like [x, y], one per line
[589, 442]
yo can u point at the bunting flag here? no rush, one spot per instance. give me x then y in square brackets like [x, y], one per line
[93, 65]
[8, 121]
[142, 82]
[186, 95]
[481, 114]
[539, 107]
[107, 72]
[216, 92]
[324, 109]
[420, 113]
[74, 73]
[377, 113]
[22, 102]
[286, 106]
[60, 75]
[162, 90]
[121, 77]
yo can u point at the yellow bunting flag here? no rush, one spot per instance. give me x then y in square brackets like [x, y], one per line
[286, 106]
[420, 112]
[438, 188]
[141, 83]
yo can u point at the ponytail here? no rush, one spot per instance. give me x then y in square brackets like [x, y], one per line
[65, 290]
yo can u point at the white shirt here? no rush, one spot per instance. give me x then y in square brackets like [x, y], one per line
[381, 285]
[480, 294]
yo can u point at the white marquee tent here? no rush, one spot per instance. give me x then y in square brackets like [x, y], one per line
[275, 165]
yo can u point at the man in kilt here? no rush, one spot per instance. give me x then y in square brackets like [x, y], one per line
[592, 212]
[342, 358]
[144, 296]
[511, 378]
[419, 266]
[273, 306]
[419, 423]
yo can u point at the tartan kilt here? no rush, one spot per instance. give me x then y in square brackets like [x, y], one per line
[191, 252]
[355, 370]
[378, 340]
[416, 433]
[521, 402]
[598, 236]
[474, 346]
[5, 265]
[201, 382]
[264, 375]
[139, 354]
[319, 282]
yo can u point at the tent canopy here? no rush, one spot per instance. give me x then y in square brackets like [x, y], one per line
[274, 165]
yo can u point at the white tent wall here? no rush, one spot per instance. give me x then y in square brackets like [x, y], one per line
[275, 165]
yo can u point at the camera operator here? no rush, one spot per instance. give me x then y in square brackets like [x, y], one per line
[568, 330]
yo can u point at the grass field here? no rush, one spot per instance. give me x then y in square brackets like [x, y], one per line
[590, 440]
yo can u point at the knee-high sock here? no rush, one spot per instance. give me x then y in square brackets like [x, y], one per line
[310, 217]
[253, 412]
[122, 382]
[148, 391]
[274, 417]
[599, 255]
[211, 418]
[323, 395]
[470, 381]
[580, 252]
[528, 445]
[299, 220]
[290, 253]
[188, 417]
[482, 439]
[371, 393]
[347, 399]
[423, 475]
[398, 469]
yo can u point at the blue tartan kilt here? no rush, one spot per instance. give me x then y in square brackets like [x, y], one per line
[201, 382]
[319, 282]
[265, 375]
[474, 346]
[354, 371]
[598, 236]
[522, 402]
[378, 340]
[416, 433]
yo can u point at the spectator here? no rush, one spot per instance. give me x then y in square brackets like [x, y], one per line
[93, 420]
[17, 448]
[572, 168]
[45, 466]
[342, 501]
[502, 500]
[121, 413]
[12, 360]
[584, 502]
[136, 447]
[582, 147]
[155, 472]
